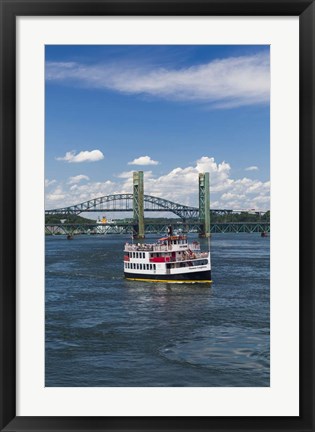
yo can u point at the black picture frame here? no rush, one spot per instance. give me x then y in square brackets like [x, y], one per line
[10, 9]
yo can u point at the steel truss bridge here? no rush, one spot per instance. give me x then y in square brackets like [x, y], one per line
[154, 228]
[124, 202]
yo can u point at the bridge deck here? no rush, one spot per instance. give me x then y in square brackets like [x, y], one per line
[154, 228]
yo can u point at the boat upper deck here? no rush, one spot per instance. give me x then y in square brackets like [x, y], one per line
[165, 244]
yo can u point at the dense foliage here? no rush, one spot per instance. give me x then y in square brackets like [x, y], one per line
[56, 219]
[240, 217]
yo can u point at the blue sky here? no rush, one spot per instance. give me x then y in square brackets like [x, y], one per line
[171, 111]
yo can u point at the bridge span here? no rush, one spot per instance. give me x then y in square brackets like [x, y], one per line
[124, 203]
[120, 227]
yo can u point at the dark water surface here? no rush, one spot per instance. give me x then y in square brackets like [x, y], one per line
[102, 330]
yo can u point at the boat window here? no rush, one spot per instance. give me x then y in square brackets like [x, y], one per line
[200, 262]
[150, 266]
[140, 266]
[154, 267]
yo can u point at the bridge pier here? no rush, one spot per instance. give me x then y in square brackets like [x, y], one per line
[204, 204]
[138, 205]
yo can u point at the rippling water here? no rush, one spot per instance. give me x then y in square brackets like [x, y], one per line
[102, 330]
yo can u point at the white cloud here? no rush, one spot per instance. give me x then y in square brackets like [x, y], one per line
[57, 195]
[143, 160]
[83, 156]
[252, 168]
[49, 182]
[125, 174]
[76, 179]
[129, 174]
[225, 83]
[179, 185]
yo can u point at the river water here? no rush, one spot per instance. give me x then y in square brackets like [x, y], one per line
[105, 331]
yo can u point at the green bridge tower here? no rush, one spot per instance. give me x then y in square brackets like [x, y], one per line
[138, 206]
[204, 204]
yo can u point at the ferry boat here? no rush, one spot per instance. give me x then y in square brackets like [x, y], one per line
[170, 259]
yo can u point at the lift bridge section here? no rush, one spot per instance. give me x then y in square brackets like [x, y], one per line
[127, 228]
[191, 218]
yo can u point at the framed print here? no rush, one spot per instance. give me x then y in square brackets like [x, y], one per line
[157, 215]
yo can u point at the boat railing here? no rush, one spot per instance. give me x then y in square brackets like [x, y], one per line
[191, 256]
[160, 247]
[145, 247]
